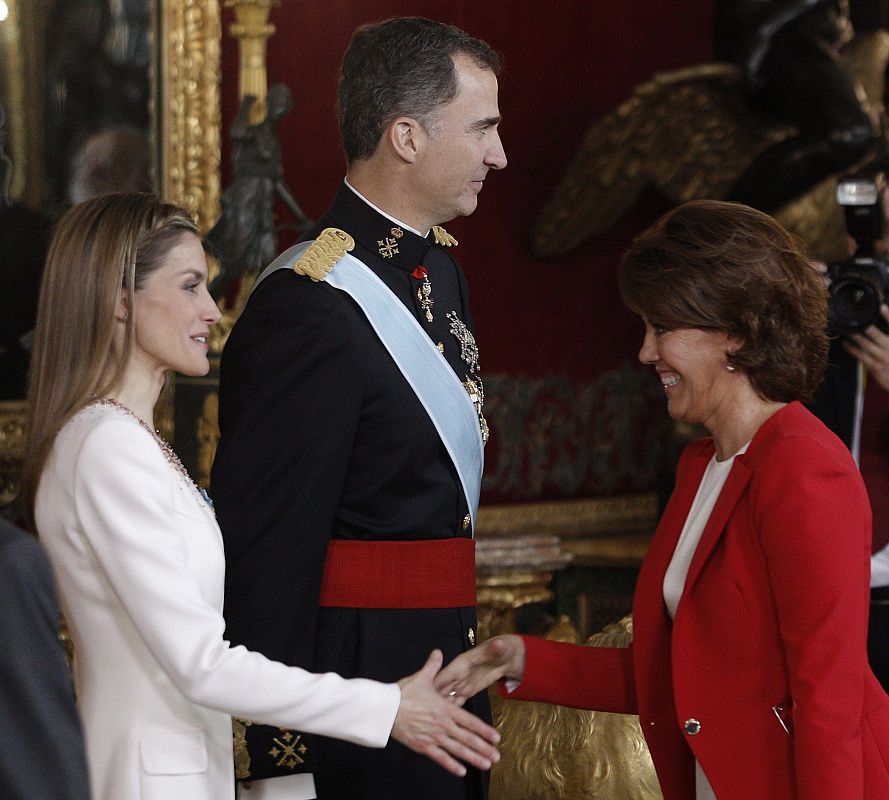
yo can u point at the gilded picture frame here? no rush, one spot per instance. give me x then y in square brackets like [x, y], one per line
[189, 43]
[185, 103]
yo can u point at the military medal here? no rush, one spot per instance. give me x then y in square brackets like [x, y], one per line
[468, 347]
[469, 355]
[388, 246]
[424, 291]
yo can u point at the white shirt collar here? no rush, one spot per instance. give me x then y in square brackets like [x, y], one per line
[380, 211]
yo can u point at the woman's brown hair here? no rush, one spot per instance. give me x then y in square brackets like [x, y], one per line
[98, 249]
[724, 266]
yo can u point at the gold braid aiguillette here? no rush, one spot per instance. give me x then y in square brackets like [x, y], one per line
[330, 246]
[443, 238]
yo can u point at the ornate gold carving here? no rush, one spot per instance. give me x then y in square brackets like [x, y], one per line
[241, 753]
[564, 753]
[252, 30]
[24, 68]
[12, 449]
[207, 438]
[511, 572]
[330, 246]
[443, 238]
[189, 44]
[690, 133]
[599, 515]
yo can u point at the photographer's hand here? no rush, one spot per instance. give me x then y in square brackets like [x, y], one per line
[871, 348]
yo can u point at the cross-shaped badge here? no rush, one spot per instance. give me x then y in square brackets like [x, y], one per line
[387, 247]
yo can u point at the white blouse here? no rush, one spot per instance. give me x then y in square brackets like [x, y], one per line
[674, 579]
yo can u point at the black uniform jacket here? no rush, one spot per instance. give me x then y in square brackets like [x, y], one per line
[322, 437]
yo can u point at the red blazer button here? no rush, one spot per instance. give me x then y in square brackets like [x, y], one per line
[692, 727]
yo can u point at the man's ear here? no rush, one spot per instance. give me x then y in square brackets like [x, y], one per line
[405, 137]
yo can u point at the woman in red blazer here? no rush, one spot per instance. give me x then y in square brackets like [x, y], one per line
[748, 668]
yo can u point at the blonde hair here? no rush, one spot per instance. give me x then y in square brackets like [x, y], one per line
[99, 247]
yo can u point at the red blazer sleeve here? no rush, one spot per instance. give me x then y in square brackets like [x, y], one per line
[812, 516]
[594, 678]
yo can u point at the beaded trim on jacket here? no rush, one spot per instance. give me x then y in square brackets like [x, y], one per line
[165, 447]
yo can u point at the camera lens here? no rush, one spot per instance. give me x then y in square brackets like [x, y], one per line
[854, 304]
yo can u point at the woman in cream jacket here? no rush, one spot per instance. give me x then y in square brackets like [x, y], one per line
[135, 545]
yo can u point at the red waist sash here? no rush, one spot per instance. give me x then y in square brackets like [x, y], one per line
[429, 573]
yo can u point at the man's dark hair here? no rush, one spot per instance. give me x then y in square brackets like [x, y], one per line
[401, 66]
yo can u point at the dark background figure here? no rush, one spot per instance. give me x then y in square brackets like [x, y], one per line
[97, 75]
[246, 235]
[787, 51]
[23, 238]
[42, 753]
[114, 159]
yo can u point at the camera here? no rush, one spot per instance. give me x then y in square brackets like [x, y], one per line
[858, 286]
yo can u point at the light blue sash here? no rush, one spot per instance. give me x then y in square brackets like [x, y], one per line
[423, 366]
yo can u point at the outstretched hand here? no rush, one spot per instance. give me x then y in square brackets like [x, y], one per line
[427, 723]
[472, 671]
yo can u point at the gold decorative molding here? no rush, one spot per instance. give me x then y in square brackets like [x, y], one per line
[567, 518]
[620, 550]
[24, 70]
[252, 31]
[188, 98]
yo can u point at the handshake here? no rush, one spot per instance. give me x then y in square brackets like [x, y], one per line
[430, 719]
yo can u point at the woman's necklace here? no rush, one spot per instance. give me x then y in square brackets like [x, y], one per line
[163, 444]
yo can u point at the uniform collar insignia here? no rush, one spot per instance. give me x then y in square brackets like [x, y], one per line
[388, 241]
[442, 237]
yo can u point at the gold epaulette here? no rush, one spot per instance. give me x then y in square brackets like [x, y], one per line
[330, 246]
[443, 238]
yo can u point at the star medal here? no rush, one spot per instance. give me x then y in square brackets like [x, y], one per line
[473, 383]
[468, 347]
[424, 292]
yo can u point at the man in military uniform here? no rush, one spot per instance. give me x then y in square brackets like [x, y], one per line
[347, 505]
